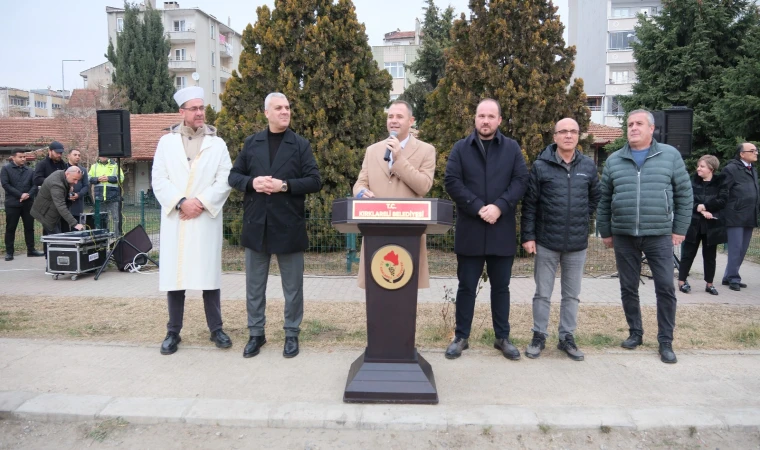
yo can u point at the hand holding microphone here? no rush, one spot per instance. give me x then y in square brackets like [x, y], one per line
[387, 156]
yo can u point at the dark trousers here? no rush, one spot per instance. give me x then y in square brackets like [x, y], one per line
[659, 253]
[738, 243]
[256, 277]
[12, 216]
[211, 303]
[689, 251]
[469, 270]
[46, 231]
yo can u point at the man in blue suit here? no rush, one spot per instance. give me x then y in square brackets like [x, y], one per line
[486, 177]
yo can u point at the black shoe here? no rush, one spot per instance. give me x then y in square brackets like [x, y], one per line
[537, 344]
[735, 286]
[711, 290]
[568, 346]
[9, 257]
[253, 347]
[33, 253]
[666, 353]
[291, 347]
[728, 283]
[685, 287]
[220, 338]
[456, 347]
[169, 345]
[633, 341]
[507, 349]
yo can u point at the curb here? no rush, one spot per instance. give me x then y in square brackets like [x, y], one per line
[243, 413]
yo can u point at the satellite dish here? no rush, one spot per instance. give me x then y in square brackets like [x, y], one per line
[195, 76]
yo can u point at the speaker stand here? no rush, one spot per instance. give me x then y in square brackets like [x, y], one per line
[109, 257]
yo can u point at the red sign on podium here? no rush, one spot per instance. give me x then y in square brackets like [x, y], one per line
[391, 210]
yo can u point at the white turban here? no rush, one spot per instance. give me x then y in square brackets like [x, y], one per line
[187, 94]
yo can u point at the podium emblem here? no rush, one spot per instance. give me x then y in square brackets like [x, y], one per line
[392, 267]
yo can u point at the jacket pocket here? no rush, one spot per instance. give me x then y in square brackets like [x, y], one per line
[668, 212]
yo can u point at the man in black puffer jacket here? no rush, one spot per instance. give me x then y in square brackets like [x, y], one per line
[563, 193]
[742, 210]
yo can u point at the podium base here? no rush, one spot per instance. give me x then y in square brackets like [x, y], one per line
[391, 382]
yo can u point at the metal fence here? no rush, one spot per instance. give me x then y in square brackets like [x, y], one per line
[330, 252]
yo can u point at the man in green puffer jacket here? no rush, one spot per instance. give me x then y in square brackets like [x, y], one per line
[645, 209]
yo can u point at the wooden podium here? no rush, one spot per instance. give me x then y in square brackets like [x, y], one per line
[390, 370]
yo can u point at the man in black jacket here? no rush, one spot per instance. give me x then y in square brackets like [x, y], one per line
[76, 199]
[563, 193]
[275, 169]
[52, 162]
[486, 177]
[16, 179]
[742, 209]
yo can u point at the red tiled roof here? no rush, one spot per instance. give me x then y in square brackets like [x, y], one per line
[81, 132]
[604, 134]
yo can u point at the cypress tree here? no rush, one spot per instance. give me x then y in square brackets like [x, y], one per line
[511, 51]
[141, 62]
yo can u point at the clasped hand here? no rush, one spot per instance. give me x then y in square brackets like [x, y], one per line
[190, 209]
[267, 185]
[490, 213]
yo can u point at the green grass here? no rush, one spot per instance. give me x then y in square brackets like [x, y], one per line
[749, 336]
[14, 321]
[314, 329]
[595, 340]
[101, 430]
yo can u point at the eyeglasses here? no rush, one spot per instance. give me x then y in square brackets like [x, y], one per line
[566, 132]
[194, 109]
[750, 151]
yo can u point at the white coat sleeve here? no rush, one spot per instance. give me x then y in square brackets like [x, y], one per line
[167, 194]
[214, 196]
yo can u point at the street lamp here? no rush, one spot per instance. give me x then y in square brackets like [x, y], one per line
[63, 84]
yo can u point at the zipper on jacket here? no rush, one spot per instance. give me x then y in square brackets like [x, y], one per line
[638, 197]
[569, 196]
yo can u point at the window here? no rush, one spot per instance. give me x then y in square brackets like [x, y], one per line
[56, 106]
[394, 97]
[615, 108]
[396, 69]
[179, 25]
[40, 105]
[213, 86]
[213, 31]
[213, 59]
[619, 13]
[621, 77]
[180, 54]
[119, 24]
[180, 82]
[621, 40]
[15, 101]
[649, 11]
[594, 103]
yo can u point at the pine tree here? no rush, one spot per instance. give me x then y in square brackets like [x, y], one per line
[316, 53]
[511, 51]
[683, 55]
[141, 62]
[211, 115]
[430, 65]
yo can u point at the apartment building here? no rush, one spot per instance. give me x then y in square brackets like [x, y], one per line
[399, 49]
[204, 50]
[602, 31]
[33, 103]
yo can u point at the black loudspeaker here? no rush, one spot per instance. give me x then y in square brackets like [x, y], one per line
[673, 126]
[114, 137]
[124, 253]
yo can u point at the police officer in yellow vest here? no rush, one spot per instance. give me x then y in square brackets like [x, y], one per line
[103, 176]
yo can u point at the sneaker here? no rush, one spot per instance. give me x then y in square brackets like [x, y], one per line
[666, 353]
[538, 343]
[685, 287]
[568, 346]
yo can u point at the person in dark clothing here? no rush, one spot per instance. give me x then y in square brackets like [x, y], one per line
[742, 210]
[51, 163]
[486, 177]
[17, 180]
[76, 199]
[275, 170]
[563, 186]
[710, 195]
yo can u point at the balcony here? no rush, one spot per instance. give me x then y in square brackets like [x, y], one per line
[620, 57]
[225, 50]
[182, 65]
[622, 23]
[225, 73]
[181, 37]
[619, 88]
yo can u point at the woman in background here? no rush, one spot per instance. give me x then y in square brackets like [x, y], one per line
[710, 196]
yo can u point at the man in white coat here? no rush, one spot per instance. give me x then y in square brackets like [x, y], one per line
[190, 171]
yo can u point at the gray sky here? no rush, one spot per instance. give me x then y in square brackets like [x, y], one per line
[71, 29]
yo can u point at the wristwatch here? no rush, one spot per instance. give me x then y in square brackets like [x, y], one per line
[284, 187]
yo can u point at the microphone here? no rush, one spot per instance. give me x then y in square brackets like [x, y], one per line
[387, 157]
